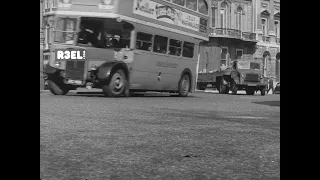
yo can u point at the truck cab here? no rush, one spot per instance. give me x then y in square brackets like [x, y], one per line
[246, 75]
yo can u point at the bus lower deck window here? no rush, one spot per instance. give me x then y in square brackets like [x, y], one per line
[175, 47]
[188, 49]
[144, 41]
[160, 44]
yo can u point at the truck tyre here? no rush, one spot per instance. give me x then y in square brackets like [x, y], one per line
[57, 86]
[117, 85]
[250, 91]
[184, 85]
[223, 89]
[263, 92]
[234, 87]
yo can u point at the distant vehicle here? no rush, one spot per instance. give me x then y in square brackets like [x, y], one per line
[244, 75]
[277, 89]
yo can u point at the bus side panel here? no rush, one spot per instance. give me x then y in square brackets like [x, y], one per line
[144, 73]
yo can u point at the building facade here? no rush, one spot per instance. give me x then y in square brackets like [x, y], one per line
[243, 29]
[231, 36]
[267, 28]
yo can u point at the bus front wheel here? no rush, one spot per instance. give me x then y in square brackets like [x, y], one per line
[117, 85]
[184, 85]
[57, 86]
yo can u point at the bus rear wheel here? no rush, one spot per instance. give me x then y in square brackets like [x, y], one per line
[117, 85]
[184, 85]
[57, 86]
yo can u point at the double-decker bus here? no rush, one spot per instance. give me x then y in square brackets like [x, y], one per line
[125, 46]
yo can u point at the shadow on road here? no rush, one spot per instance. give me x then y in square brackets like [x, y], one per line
[99, 94]
[269, 103]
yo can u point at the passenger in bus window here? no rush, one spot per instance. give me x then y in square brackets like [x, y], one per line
[192, 4]
[159, 49]
[179, 2]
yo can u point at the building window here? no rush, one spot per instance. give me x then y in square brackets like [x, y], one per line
[277, 28]
[223, 15]
[46, 4]
[192, 4]
[239, 53]
[203, 7]
[238, 18]
[53, 4]
[224, 57]
[144, 41]
[213, 16]
[188, 50]
[175, 47]
[160, 44]
[264, 25]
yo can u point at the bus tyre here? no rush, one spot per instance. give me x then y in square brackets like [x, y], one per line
[223, 89]
[234, 87]
[58, 87]
[117, 85]
[184, 85]
[250, 91]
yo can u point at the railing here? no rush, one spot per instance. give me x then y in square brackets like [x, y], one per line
[265, 38]
[249, 35]
[278, 40]
[234, 33]
[226, 32]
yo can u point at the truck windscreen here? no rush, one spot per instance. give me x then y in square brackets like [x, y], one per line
[255, 66]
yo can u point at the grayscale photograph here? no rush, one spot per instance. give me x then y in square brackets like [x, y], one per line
[159, 89]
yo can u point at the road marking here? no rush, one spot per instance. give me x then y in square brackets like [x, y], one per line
[244, 117]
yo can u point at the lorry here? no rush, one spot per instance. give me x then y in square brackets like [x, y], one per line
[243, 75]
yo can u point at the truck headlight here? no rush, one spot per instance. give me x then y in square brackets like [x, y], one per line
[242, 75]
[261, 76]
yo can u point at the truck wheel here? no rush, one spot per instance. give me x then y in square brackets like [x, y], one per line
[184, 85]
[223, 89]
[250, 91]
[117, 85]
[234, 87]
[263, 92]
[202, 87]
[57, 86]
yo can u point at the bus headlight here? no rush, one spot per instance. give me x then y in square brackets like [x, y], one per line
[94, 67]
[58, 64]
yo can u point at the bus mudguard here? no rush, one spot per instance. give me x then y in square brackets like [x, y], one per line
[49, 69]
[105, 70]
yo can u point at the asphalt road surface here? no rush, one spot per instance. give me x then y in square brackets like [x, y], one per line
[203, 136]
